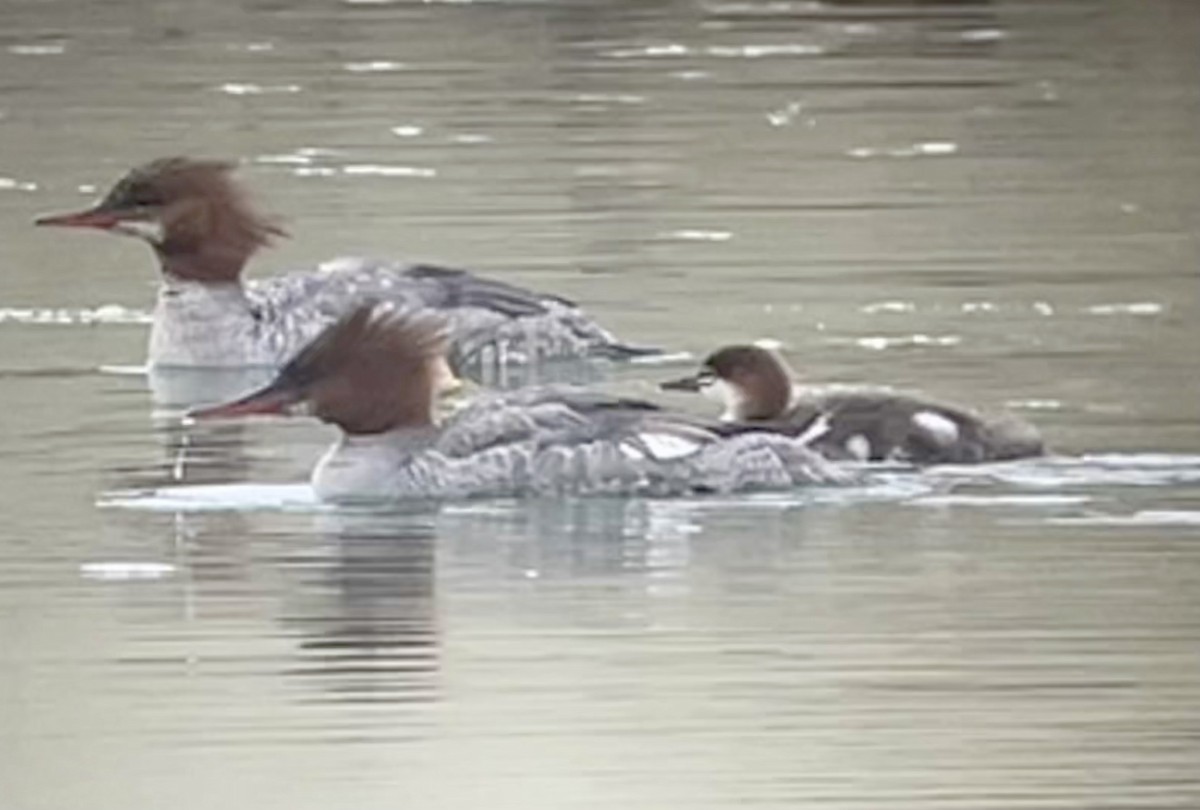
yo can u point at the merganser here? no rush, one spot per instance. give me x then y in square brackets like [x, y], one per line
[867, 424]
[204, 230]
[372, 374]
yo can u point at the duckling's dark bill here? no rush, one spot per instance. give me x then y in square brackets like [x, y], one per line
[693, 382]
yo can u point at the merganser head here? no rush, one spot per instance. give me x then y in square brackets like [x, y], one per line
[373, 370]
[190, 211]
[750, 381]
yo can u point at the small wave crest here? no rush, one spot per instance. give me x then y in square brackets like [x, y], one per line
[251, 497]
[1143, 517]
[1112, 469]
[216, 498]
[934, 487]
[57, 316]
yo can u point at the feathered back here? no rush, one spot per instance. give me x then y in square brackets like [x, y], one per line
[373, 370]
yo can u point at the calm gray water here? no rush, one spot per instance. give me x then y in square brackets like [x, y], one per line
[992, 202]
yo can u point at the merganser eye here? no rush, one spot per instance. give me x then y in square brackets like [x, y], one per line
[144, 198]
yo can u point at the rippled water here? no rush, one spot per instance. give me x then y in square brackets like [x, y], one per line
[992, 202]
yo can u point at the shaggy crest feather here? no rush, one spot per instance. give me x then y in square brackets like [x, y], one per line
[202, 210]
[373, 370]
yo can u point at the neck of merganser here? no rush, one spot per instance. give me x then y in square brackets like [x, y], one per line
[731, 397]
[366, 466]
[211, 324]
[206, 263]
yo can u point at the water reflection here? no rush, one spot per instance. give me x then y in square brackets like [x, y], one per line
[179, 389]
[183, 388]
[193, 453]
[572, 538]
[366, 616]
[352, 598]
[990, 202]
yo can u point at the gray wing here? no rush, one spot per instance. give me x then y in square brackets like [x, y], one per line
[544, 415]
[447, 288]
[491, 321]
[342, 283]
[576, 440]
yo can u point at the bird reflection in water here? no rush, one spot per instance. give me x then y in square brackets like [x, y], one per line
[368, 613]
[352, 596]
[191, 454]
[216, 452]
[570, 538]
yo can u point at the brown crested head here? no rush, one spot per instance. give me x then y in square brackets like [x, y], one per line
[373, 370]
[752, 382]
[759, 376]
[192, 212]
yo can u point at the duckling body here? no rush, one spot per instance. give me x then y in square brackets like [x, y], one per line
[860, 423]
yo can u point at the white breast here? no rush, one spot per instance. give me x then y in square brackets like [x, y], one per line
[206, 325]
[354, 469]
[730, 396]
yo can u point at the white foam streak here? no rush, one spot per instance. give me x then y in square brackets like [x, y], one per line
[1145, 517]
[377, 170]
[125, 571]
[251, 89]
[1132, 308]
[216, 498]
[106, 314]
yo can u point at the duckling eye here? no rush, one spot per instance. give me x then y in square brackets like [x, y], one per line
[144, 198]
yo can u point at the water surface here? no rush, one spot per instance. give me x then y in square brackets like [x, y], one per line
[991, 202]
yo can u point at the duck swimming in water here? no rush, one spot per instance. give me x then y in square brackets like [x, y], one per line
[203, 230]
[756, 387]
[373, 374]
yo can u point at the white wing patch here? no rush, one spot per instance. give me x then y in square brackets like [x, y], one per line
[660, 446]
[859, 446]
[630, 452]
[815, 430]
[941, 429]
[728, 395]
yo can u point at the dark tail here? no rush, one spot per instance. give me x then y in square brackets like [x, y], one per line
[623, 351]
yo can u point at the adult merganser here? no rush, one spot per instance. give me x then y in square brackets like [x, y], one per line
[203, 230]
[868, 424]
[373, 374]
